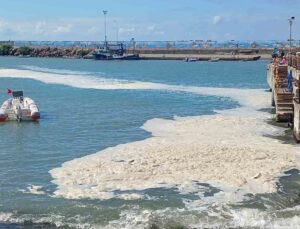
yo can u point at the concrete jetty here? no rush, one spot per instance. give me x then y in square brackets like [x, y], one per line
[202, 54]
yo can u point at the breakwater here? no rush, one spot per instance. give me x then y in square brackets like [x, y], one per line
[50, 52]
[145, 53]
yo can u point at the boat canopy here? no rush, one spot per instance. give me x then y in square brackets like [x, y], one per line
[17, 94]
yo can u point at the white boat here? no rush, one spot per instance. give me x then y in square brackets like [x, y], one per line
[19, 108]
[189, 59]
[214, 59]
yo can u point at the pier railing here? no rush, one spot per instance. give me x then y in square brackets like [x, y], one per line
[294, 60]
[294, 68]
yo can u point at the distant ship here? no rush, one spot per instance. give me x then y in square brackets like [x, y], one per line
[113, 52]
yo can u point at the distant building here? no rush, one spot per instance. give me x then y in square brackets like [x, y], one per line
[7, 43]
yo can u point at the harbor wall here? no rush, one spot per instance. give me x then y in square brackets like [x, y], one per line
[145, 53]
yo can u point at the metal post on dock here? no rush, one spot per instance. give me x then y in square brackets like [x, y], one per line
[117, 31]
[105, 37]
[291, 20]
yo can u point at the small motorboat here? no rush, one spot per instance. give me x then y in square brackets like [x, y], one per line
[19, 108]
[189, 59]
[214, 59]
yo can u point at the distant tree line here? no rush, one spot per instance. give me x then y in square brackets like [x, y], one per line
[25, 51]
[5, 49]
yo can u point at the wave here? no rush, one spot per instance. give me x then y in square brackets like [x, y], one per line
[219, 217]
[42, 220]
[33, 189]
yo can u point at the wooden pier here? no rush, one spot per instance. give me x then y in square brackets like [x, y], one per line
[286, 102]
[282, 99]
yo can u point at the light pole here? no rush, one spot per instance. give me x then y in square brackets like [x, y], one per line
[117, 30]
[105, 38]
[291, 20]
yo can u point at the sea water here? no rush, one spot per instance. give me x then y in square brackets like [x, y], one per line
[87, 106]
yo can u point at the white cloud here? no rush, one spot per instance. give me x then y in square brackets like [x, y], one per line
[160, 33]
[151, 28]
[216, 20]
[229, 36]
[126, 31]
[40, 28]
[93, 30]
[63, 29]
[2, 24]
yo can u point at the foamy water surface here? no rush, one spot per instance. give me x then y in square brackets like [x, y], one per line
[127, 150]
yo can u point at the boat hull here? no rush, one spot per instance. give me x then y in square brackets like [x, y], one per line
[123, 57]
[3, 118]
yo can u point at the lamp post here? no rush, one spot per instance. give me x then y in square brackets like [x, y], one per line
[105, 38]
[117, 31]
[291, 20]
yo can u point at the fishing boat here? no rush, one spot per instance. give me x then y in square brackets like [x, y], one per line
[19, 108]
[113, 52]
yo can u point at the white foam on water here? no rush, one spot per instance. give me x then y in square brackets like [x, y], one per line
[246, 218]
[73, 80]
[54, 70]
[34, 189]
[216, 217]
[227, 150]
[223, 149]
[57, 220]
[136, 218]
[4, 216]
[130, 196]
[251, 97]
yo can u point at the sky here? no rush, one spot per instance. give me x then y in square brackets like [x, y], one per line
[148, 20]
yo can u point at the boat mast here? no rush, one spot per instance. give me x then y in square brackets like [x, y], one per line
[105, 37]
